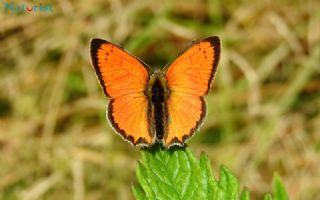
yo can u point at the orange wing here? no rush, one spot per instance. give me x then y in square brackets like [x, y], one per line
[124, 79]
[189, 78]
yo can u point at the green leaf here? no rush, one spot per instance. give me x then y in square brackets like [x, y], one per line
[278, 189]
[245, 195]
[177, 174]
[267, 197]
[228, 184]
[138, 193]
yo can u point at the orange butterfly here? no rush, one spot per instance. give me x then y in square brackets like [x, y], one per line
[149, 105]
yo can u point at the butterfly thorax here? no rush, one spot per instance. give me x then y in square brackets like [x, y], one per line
[157, 95]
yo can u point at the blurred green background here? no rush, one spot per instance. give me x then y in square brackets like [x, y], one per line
[263, 109]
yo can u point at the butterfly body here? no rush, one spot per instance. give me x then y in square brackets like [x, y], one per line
[148, 106]
[158, 95]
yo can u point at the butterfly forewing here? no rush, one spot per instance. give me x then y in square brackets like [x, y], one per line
[124, 79]
[188, 79]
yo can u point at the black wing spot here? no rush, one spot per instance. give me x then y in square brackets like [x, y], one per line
[175, 140]
[141, 141]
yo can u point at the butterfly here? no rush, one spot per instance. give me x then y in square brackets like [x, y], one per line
[151, 105]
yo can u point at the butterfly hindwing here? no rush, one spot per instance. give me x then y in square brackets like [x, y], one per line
[185, 114]
[124, 79]
[188, 79]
